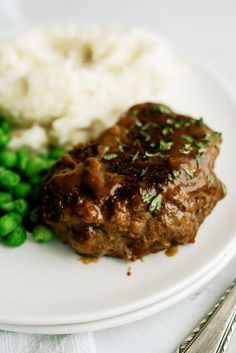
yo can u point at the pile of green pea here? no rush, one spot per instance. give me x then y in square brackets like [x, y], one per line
[21, 174]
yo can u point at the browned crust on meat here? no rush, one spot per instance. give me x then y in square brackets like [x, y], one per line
[144, 185]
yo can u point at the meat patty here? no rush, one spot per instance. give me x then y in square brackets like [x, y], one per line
[144, 185]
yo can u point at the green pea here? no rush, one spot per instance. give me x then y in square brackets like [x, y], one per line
[22, 190]
[56, 153]
[5, 197]
[17, 237]
[42, 234]
[34, 215]
[21, 206]
[18, 218]
[5, 126]
[35, 165]
[50, 163]
[7, 206]
[8, 159]
[9, 179]
[23, 157]
[7, 225]
[6, 203]
[4, 138]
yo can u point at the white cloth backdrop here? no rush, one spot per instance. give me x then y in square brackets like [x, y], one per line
[22, 343]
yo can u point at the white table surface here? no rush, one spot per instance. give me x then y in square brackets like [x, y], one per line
[205, 29]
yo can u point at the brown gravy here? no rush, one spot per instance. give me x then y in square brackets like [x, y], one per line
[129, 273]
[172, 251]
[88, 259]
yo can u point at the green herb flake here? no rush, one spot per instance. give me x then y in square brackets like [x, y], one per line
[178, 124]
[202, 147]
[135, 156]
[200, 122]
[190, 172]
[213, 136]
[121, 146]
[186, 149]
[145, 135]
[149, 125]
[138, 123]
[147, 194]
[153, 144]
[144, 171]
[126, 132]
[224, 188]
[170, 121]
[169, 176]
[210, 179]
[167, 131]
[109, 156]
[160, 108]
[176, 174]
[165, 146]
[155, 205]
[154, 154]
[187, 138]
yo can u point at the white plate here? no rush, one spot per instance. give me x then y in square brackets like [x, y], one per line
[124, 318]
[47, 285]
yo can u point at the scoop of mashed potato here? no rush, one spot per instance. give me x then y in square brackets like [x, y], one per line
[65, 85]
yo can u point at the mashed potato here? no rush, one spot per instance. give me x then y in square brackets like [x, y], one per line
[63, 86]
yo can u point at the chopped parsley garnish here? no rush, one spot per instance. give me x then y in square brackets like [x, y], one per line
[144, 171]
[186, 149]
[169, 176]
[213, 136]
[121, 147]
[210, 179]
[145, 135]
[154, 154]
[138, 123]
[160, 108]
[179, 124]
[165, 146]
[176, 174]
[126, 132]
[153, 144]
[135, 156]
[199, 122]
[149, 125]
[189, 172]
[170, 121]
[109, 156]
[155, 205]
[187, 138]
[167, 131]
[202, 147]
[224, 188]
[147, 194]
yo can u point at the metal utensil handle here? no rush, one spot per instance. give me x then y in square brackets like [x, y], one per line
[215, 330]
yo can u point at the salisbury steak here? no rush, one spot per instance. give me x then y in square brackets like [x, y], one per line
[144, 185]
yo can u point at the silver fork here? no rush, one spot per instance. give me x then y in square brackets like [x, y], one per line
[214, 332]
